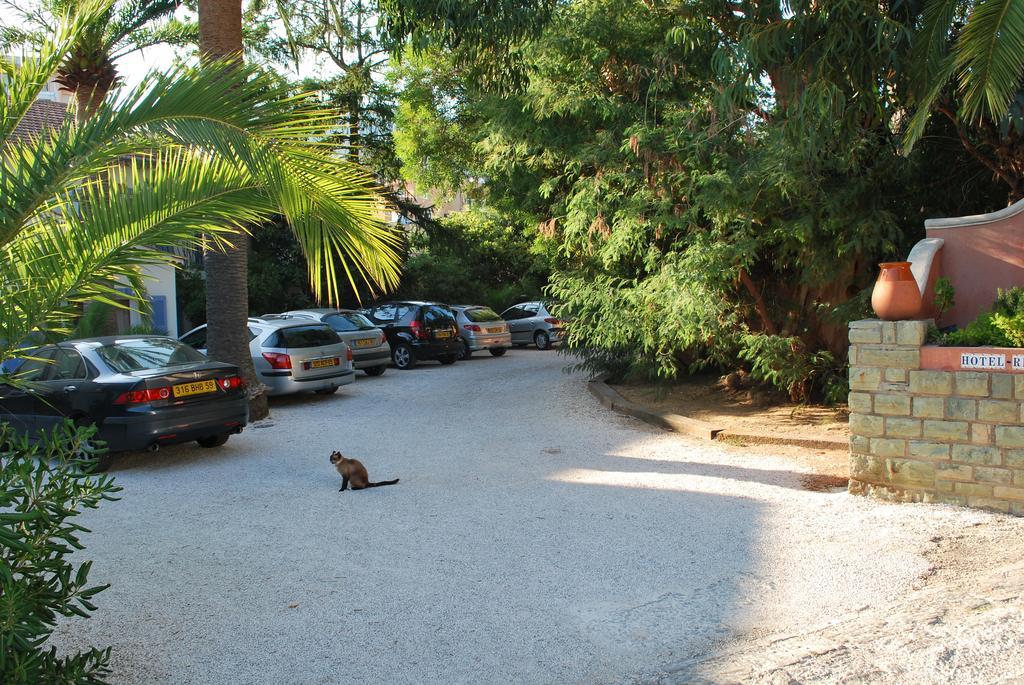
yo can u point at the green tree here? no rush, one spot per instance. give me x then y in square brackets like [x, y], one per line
[713, 175]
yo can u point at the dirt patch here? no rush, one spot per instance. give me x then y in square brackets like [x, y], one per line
[739, 409]
[823, 483]
[729, 404]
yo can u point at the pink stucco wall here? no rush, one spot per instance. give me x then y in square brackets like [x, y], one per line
[981, 254]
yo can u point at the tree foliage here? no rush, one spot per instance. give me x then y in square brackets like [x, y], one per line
[720, 180]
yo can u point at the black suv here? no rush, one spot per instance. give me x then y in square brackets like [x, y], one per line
[416, 331]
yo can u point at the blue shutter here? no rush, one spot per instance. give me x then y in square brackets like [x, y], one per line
[159, 305]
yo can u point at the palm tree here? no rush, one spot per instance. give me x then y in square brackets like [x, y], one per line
[76, 220]
[89, 69]
[969, 56]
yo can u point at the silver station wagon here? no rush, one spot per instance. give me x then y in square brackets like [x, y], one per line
[481, 329]
[370, 349]
[532, 322]
[292, 355]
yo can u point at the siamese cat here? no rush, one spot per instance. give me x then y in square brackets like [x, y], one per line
[354, 473]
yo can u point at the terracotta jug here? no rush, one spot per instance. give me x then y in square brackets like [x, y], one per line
[896, 295]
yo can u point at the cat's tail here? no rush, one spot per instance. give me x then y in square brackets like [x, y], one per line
[382, 482]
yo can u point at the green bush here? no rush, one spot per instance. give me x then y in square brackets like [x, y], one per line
[1001, 327]
[786, 364]
[42, 488]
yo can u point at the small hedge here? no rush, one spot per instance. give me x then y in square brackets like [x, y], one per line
[1002, 326]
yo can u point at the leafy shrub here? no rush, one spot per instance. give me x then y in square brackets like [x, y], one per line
[786, 364]
[1001, 327]
[42, 488]
[945, 295]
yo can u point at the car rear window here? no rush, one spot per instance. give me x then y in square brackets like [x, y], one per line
[480, 314]
[437, 316]
[297, 337]
[345, 322]
[144, 354]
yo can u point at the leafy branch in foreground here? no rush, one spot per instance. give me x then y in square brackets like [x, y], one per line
[43, 487]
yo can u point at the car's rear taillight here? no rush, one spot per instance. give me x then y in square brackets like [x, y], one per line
[231, 383]
[348, 353]
[471, 327]
[553, 322]
[382, 338]
[278, 360]
[143, 396]
[418, 330]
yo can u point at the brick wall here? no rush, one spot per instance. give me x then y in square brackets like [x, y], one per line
[929, 435]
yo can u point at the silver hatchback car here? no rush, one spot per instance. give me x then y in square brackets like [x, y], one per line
[370, 349]
[531, 322]
[481, 329]
[292, 355]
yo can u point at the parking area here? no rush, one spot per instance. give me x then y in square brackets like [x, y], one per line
[535, 537]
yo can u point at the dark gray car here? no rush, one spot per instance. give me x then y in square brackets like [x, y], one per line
[531, 322]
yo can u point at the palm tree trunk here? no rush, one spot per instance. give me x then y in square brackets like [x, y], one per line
[87, 101]
[227, 286]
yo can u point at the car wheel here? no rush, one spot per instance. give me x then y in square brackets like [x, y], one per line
[497, 351]
[403, 357]
[327, 391]
[542, 340]
[375, 370]
[213, 440]
[465, 352]
[448, 358]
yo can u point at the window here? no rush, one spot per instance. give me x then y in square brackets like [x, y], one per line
[297, 337]
[530, 309]
[405, 313]
[346, 322]
[513, 313]
[32, 367]
[67, 365]
[481, 314]
[435, 317]
[143, 354]
[384, 313]
[197, 339]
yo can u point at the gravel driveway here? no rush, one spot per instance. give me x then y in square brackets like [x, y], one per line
[535, 537]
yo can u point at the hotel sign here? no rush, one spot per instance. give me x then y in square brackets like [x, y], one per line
[990, 362]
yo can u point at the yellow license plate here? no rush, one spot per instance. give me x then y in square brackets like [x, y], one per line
[442, 334]
[197, 388]
[366, 342]
[323, 363]
[495, 330]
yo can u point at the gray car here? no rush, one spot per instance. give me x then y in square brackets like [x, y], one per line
[292, 355]
[481, 329]
[370, 349]
[531, 322]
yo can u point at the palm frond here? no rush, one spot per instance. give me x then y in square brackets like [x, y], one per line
[90, 244]
[990, 58]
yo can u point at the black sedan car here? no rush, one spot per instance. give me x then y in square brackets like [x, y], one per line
[140, 391]
[417, 331]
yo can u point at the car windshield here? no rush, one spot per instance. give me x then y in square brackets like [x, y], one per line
[481, 314]
[304, 336]
[143, 354]
[345, 322]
